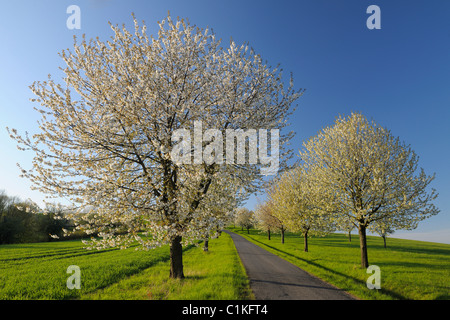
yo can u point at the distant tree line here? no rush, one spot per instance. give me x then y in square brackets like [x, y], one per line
[23, 222]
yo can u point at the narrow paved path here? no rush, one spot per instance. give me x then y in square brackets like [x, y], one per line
[273, 278]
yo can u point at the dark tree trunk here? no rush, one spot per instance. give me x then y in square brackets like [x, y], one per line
[349, 236]
[206, 244]
[268, 233]
[176, 258]
[248, 230]
[305, 237]
[384, 239]
[282, 235]
[363, 246]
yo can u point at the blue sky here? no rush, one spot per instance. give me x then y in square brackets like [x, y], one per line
[398, 75]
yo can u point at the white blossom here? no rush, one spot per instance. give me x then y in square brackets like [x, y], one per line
[105, 133]
[366, 175]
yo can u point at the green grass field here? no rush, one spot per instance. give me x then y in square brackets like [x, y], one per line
[38, 271]
[410, 269]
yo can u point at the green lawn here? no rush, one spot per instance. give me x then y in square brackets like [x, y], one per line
[38, 271]
[409, 269]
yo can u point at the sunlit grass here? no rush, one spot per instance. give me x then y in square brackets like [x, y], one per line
[38, 271]
[216, 274]
[409, 269]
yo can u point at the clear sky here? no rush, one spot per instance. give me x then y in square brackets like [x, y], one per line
[398, 75]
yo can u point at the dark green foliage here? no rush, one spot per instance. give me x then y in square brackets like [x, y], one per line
[18, 225]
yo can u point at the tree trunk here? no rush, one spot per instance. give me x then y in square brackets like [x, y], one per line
[282, 235]
[384, 239]
[248, 230]
[363, 246]
[350, 236]
[305, 237]
[206, 244]
[268, 233]
[176, 258]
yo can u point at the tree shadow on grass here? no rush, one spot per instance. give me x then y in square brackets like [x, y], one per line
[437, 251]
[415, 266]
[193, 277]
[133, 272]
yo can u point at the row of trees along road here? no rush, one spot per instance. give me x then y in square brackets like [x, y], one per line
[354, 174]
[105, 136]
[105, 143]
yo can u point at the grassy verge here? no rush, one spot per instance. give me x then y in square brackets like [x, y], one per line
[216, 274]
[38, 271]
[409, 269]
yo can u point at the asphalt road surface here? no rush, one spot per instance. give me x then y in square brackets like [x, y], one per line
[273, 278]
